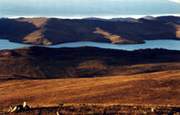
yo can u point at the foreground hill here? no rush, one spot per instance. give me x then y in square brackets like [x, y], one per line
[159, 88]
[47, 63]
[48, 31]
[39, 75]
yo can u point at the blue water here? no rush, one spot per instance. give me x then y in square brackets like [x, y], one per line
[5, 44]
[166, 44]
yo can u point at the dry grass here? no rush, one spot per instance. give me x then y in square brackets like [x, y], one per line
[153, 88]
[36, 38]
[38, 22]
[112, 37]
[178, 31]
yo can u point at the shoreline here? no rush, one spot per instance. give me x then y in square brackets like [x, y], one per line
[128, 47]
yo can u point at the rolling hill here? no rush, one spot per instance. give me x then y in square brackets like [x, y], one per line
[50, 31]
[47, 77]
[49, 63]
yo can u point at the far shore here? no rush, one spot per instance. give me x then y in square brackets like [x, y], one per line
[89, 16]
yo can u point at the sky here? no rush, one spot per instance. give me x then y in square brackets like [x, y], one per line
[176, 1]
[87, 7]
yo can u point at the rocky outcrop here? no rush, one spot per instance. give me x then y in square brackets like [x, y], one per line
[19, 108]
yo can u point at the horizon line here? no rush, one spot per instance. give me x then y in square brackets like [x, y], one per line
[95, 16]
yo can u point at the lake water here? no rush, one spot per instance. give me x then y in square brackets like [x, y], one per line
[5, 44]
[166, 44]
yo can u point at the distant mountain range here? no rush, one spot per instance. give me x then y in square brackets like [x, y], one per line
[50, 31]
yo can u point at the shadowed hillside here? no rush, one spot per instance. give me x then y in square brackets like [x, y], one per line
[41, 62]
[48, 31]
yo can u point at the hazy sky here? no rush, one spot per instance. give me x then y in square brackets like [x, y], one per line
[87, 7]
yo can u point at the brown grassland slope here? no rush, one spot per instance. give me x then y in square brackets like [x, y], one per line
[161, 88]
